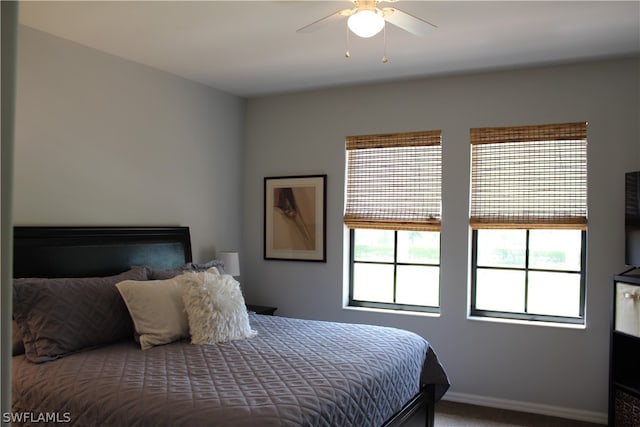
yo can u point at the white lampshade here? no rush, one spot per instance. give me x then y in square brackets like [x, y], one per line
[231, 262]
[366, 23]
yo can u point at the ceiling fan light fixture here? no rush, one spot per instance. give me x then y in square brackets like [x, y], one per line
[366, 23]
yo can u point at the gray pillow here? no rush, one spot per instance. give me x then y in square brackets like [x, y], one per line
[187, 268]
[219, 264]
[61, 316]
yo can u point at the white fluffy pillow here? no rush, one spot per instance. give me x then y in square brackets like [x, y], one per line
[215, 308]
[156, 309]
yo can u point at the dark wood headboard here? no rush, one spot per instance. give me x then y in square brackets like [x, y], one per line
[96, 251]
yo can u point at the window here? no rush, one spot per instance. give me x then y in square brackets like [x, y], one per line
[529, 274]
[529, 220]
[393, 215]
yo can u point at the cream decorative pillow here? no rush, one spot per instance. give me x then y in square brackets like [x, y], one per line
[156, 309]
[215, 308]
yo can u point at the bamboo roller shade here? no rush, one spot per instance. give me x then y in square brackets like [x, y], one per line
[394, 181]
[529, 177]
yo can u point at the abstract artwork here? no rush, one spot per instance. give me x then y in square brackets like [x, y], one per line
[294, 218]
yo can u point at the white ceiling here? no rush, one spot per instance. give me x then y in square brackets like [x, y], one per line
[251, 48]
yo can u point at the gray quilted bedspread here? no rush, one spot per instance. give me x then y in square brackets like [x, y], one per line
[294, 373]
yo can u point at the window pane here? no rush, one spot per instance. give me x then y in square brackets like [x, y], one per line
[422, 247]
[555, 249]
[500, 290]
[373, 245]
[555, 294]
[373, 282]
[502, 248]
[418, 285]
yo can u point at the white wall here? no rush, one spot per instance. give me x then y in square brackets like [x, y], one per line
[105, 141]
[544, 367]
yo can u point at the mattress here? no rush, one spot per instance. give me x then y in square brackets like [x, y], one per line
[293, 373]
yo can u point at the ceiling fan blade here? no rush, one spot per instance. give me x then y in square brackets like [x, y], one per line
[407, 22]
[322, 22]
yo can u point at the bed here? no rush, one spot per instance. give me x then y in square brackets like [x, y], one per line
[289, 372]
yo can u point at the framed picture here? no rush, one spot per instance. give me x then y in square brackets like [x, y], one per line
[295, 218]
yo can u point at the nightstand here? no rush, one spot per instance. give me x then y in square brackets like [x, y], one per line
[261, 309]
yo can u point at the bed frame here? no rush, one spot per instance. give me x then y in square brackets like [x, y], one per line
[102, 251]
[423, 401]
[96, 251]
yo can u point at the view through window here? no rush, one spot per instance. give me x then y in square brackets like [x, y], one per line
[533, 272]
[396, 267]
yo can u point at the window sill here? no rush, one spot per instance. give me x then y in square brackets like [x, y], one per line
[528, 322]
[391, 311]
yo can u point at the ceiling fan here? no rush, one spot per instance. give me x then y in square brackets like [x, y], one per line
[367, 19]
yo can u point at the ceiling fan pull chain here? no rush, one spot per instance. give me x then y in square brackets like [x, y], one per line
[384, 53]
[347, 54]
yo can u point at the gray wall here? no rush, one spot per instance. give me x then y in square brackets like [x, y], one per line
[304, 133]
[105, 141]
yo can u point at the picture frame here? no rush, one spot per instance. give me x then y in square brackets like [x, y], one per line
[295, 218]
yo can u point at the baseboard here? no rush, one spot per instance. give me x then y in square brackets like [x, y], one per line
[535, 408]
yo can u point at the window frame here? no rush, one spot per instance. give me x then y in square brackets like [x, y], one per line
[533, 317]
[385, 305]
